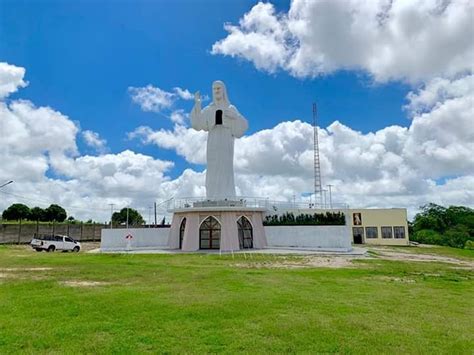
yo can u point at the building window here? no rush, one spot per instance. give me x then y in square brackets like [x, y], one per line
[245, 233]
[399, 232]
[181, 232]
[371, 233]
[386, 232]
[210, 234]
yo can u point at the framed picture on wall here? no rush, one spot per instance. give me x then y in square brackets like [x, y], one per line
[357, 219]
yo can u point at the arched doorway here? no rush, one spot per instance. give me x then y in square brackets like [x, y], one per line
[245, 233]
[181, 232]
[210, 234]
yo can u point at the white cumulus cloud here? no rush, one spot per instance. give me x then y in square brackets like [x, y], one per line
[11, 79]
[187, 142]
[389, 39]
[183, 93]
[154, 99]
[151, 98]
[93, 140]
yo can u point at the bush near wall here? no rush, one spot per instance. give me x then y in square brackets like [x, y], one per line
[315, 219]
[469, 245]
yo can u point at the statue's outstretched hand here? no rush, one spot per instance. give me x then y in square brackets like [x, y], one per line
[197, 102]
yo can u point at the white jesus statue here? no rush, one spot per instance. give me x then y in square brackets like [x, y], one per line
[224, 123]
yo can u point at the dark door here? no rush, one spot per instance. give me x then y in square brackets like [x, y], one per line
[358, 235]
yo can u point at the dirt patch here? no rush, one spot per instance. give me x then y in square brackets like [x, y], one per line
[88, 246]
[311, 261]
[396, 279]
[76, 283]
[400, 256]
[22, 273]
[16, 269]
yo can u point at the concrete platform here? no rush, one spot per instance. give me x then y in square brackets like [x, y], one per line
[356, 251]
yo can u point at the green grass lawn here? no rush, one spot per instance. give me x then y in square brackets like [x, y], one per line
[207, 303]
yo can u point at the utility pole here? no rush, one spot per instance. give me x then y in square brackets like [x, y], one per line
[317, 163]
[149, 216]
[330, 195]
[155, 212]
[325, 197]
[127, 217]
[111, 213]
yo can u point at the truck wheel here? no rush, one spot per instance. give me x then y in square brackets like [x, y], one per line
[51, 248]
[39, 250]
[76, 249]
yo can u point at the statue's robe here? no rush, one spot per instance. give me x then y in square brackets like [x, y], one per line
[223, 128]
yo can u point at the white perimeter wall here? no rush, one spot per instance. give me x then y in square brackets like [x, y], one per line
[316, 237]
[321, 237]
[143, 238]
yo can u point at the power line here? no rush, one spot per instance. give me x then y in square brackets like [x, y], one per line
[5, 184]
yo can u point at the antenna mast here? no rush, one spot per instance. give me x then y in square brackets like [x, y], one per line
[317, 164]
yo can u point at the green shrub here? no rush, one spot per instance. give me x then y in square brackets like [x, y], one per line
[469, 245]
[322, 219]
[456, 237]
[427, 236]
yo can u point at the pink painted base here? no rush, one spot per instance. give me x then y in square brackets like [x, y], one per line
[227, 217]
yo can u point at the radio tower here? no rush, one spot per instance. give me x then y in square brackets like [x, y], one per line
[317, 165]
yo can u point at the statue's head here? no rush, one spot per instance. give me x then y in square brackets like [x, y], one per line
[219, 93]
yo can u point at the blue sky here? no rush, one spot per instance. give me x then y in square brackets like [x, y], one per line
[393, 82]
[82, 56]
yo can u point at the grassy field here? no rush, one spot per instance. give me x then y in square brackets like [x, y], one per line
[92, 303]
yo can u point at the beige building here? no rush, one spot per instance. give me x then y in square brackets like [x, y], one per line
[380, 226]
[387, 226]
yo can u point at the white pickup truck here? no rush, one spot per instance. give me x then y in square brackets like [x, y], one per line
[51, 243]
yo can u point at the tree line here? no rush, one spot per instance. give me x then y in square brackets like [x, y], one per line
[315, 219]
[56, 213]
[19, 211]
[132, 217]
[449, 226]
